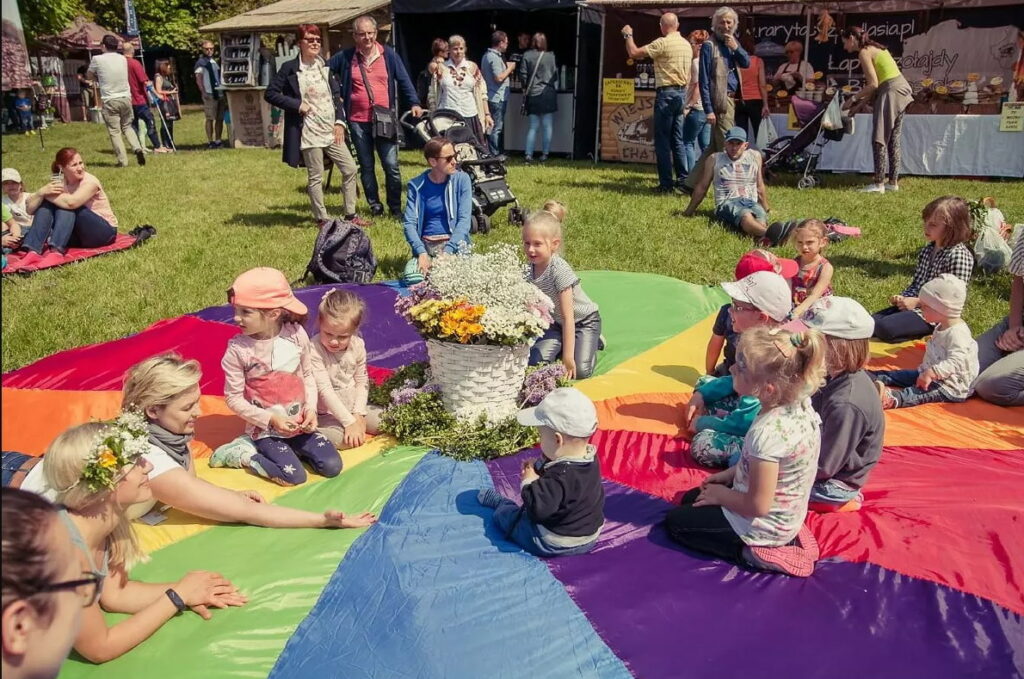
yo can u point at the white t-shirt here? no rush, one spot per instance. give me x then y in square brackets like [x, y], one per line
[18, 209]
[162, 463]
[790, 436]
[111, 71]
[803, 68]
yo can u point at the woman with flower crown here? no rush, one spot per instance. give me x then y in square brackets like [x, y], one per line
[99, 471]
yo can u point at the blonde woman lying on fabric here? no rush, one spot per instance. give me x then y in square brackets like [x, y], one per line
[99, 470]
[165, 389]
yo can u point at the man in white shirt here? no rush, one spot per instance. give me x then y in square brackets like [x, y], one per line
[110, 70]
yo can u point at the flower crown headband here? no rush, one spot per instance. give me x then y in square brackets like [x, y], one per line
[119, 445]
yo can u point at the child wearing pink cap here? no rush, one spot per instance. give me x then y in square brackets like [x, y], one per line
[269, 382]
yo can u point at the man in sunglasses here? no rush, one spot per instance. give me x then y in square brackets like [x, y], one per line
[376, 87]
[207, 73]
[314, 123]
[44, 589]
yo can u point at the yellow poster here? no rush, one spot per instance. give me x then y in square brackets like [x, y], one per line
[791, 121]
[1012, 117]
[619, 91]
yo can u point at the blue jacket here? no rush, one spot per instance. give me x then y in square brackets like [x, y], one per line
[734, 59]
[402, 89]
[738, 421]
[458, 200]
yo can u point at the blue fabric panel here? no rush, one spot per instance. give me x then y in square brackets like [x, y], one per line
[434, 591]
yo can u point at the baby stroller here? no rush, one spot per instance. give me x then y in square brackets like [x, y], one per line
[487, 172]
[801, 152]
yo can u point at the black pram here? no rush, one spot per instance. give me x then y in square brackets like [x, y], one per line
[801, 152]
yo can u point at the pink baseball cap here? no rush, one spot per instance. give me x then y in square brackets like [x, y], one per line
[762, 260]
[264, 288]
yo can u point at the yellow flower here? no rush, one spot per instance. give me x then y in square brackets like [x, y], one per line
[107, 460]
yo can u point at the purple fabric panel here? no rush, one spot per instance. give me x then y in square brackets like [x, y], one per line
[670, 613]
[390, 341]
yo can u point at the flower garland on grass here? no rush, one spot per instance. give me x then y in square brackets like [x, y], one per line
[415, 414]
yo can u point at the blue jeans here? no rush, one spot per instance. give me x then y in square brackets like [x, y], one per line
[494, 136]
[166, 127]
[143, 113]
[536, 120]
[365, 143]
[548, 348]
[731, 212]
[696, 137]
[25, 120]
[834, 492]
[12, 463]
[910, 395]
[668, 135]
[63, 228]
[517, 527]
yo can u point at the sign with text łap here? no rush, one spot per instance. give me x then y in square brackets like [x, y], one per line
[1012, 117]
[619, 91]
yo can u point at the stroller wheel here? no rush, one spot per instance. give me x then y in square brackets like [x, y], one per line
[474, 223]
[805, 183]
[483, 223]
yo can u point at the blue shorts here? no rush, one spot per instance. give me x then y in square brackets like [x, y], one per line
[731, 212]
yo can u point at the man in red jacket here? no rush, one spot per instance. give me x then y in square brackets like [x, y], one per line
[139, 83]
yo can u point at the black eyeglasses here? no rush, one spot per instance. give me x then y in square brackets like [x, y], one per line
[88, 588]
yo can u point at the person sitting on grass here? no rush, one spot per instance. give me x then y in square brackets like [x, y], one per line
[947, 228]
[563, 500]
[741, 200]
[723, 335]
[852, 423]
[98, 470]
[814, 278]
[753, 513]
[15, 197]
[717, 415]
[950, 365]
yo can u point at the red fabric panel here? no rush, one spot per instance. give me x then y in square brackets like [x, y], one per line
[25, 262]
[102, 366]
[954, 517]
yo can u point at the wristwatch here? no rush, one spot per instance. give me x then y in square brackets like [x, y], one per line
[627, 36]
[176, 600]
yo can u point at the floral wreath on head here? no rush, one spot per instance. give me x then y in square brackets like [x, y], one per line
[119, 445]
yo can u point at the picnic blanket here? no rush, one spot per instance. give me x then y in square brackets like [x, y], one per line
[926, 580]
[28, 262]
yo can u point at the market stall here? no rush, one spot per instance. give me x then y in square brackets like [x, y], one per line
[574, 37]
[248, 62]
[958, 57]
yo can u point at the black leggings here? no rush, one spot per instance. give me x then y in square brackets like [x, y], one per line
[704, 529]
[892, 149]
[749, 110]
[894, 325]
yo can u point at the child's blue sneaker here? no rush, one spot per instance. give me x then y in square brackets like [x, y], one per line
[489, 497]
[235, 454]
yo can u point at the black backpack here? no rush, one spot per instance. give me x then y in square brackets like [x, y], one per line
[342, 253]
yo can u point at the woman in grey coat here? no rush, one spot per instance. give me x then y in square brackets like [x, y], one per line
[538, 73]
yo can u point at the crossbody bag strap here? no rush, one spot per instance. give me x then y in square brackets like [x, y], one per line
[366, 81]
[533, 76]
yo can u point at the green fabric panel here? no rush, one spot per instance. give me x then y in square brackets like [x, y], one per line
[282, 571]
[640, 311]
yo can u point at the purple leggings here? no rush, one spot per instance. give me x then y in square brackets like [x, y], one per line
[282, 458]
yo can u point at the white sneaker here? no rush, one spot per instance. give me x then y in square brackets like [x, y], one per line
[873, 188]
[891, 187]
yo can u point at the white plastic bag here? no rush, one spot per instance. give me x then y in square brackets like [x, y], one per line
[833, 118]
[766, 133]
[991, 252]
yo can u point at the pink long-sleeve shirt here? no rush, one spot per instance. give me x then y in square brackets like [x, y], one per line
[266, 377]
[342, 379]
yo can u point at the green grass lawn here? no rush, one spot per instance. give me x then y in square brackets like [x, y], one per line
[218, 213]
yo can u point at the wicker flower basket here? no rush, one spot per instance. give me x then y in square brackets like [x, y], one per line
[478, 379]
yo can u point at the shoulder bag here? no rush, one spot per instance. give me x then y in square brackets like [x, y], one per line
[385, 123]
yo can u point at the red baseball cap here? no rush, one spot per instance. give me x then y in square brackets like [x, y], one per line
[265, 288]
[762, 260]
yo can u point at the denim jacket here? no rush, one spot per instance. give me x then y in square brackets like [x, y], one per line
[458, 201]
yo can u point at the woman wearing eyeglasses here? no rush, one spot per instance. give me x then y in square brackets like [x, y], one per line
[43, 587]
[314, 123]
[98, 471]
[794, 72]
[438, 207]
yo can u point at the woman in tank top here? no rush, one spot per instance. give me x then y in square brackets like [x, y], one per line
[889, 94]
[71, 211]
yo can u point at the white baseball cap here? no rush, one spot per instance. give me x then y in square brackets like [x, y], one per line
[10, 175]
[840, 317]
[766, 290]
[566, 410]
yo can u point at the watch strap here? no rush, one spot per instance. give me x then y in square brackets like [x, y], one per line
[176, 600]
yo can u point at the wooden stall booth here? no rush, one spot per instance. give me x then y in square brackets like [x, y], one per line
[958, 56]
[255, 43]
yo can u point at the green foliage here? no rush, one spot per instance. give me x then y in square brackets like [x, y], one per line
[416, 373]
[423, 421]
[48, 17]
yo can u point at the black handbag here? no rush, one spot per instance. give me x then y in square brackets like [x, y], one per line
[383, 118]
